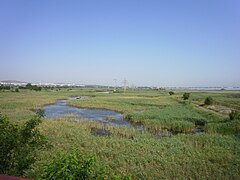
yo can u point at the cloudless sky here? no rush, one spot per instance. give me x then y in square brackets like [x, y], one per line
[148, 42]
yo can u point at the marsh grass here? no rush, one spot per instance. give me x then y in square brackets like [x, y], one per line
[144, 156]
[215, 154]
[110, 118]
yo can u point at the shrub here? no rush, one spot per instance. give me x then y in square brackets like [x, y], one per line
[75, 165]
[186, 96]
[16, 90]
[171, 93]
[22, 87]
[234, 115]
[40, 113]
[18, 145]
[36, 88]
[208, 101]
[200, 122]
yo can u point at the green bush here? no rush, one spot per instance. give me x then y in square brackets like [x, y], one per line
[200, 122]
[208, 101]
[40, 113]
[18, 145]
[171, 93]
[234, 115]
[186, 96]
[75, 165]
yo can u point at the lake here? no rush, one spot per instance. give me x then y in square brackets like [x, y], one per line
[60, 108]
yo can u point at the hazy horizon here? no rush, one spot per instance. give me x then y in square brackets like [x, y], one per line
[153, 43]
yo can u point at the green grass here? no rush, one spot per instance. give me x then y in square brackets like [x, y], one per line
[225, 98]
[122, 102]
[214, 154]
[198, 156]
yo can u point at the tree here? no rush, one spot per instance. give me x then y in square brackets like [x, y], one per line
[171, 93]
[18, 145]
[186, 96]
[208, 101]
[29, 86]
[33, 87]
[5, 87]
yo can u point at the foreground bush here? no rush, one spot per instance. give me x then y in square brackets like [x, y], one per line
[18, 145]
[75, 165]
[171, 93]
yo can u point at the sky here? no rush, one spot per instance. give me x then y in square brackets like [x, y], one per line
[147, 42]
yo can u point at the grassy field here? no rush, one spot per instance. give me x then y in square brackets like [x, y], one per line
[147, 154]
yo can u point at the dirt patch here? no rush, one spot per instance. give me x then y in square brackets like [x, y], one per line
[220, 109]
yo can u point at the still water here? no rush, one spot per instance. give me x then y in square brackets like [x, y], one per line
[60, 108]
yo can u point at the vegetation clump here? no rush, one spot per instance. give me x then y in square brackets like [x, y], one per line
[110, 118]
[171, 93]
[33, 87]
[40, 113]
[76, 165]
[18, 145]
[5, 87]
[100, 131]
[186, 96]
[234, 115]
[208, 101]
[200, 122]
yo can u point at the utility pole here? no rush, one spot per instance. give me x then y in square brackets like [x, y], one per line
[115, 84]
[125, 85]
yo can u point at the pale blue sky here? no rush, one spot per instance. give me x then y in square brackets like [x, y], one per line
[148, 42]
